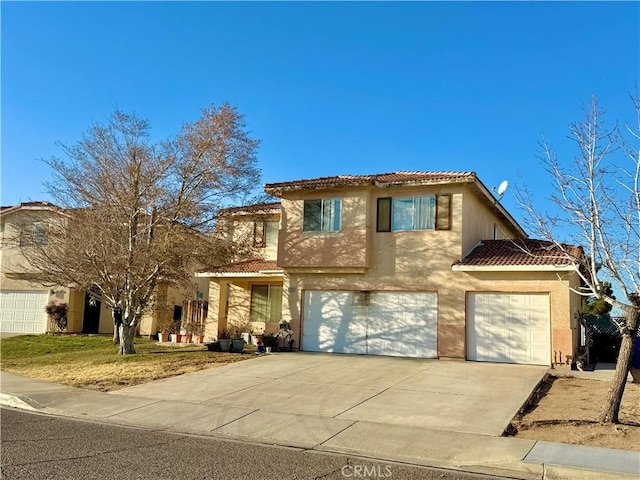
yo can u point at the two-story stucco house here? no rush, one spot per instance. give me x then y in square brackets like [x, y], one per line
[415, 264]
[23, 298]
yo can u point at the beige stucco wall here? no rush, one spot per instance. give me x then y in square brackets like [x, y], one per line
[410, 261]
[240, 230]
[479, 221]
[230, 304]
[347, 248]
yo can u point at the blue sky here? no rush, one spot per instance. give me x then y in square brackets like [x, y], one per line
[329, 88]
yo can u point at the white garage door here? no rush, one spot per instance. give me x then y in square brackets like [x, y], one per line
[402, 324]
[509, 328]
[23, 311]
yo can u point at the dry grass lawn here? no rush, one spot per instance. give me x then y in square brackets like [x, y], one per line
[92, 362]
[567, 410]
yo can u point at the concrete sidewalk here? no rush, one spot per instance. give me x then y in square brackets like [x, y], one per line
[464, 451]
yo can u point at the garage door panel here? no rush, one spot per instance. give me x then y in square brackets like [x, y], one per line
[23, 311]
[510, 328]
[392, 323]
[329, 323]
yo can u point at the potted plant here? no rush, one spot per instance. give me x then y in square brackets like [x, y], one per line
[57, 314]
[174, 334]
[164, 325]
[197, 336]
[270, 341]
[224, 338]
[237, 342]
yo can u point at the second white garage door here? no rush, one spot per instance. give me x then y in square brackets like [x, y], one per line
[23, 311]
[400, 324]
[509, 328]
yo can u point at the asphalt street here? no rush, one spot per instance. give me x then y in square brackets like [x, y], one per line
[36, 446]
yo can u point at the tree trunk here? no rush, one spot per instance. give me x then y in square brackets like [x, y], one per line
[127, 333]
[116, 314]
[619, 382]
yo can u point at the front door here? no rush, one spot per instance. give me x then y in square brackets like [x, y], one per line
[91, 317]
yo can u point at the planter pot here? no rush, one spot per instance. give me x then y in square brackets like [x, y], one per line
[268, 349]
[175, 337]
[238, 345]
[197, 338]
[163, 336]
[225, 343]
[186, 338]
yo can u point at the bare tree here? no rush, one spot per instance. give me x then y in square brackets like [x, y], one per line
[136, 213]
[597, 206]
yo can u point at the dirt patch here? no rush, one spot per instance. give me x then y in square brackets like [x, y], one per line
[566, 409]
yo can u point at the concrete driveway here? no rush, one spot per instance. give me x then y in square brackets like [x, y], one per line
[330, 392]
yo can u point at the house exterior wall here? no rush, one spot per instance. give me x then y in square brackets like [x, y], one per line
[479, 220]
[13, 267]
[347, 248]
[239, 229]
[359, 258]
[230, 305]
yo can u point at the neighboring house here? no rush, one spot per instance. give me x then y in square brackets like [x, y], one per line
[23, 301]
[249, 289]
[414, 264]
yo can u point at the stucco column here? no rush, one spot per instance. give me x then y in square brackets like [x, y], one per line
[216, 319]
[451, 323]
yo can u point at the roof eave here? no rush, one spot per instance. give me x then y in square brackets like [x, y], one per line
[513, 268]
[489, 196]
[260, 274]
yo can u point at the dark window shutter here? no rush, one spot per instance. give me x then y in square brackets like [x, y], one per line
[259, 233]
[312, 216]
[443, 212]
[384, 215]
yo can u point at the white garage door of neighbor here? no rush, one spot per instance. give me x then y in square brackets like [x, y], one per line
[401, 324]
[509, 328]
[23, 311]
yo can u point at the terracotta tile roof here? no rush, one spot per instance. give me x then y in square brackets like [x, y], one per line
[521, 252]
[380, 179]
[257, 207]
[30, 206]
[255, 265]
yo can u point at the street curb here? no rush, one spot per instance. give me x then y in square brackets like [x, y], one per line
[23, 403]
[522, 470]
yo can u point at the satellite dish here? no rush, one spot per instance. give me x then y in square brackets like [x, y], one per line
[503, 187]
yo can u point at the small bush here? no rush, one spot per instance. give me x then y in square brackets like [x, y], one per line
[58, 314]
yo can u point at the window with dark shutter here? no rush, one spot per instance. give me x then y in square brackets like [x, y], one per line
[443, 212]
[384, 215]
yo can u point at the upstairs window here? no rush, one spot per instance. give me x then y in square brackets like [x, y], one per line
[423, 212]
[271, 234]
[265, 234]
[34, 234]
[322, 215]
